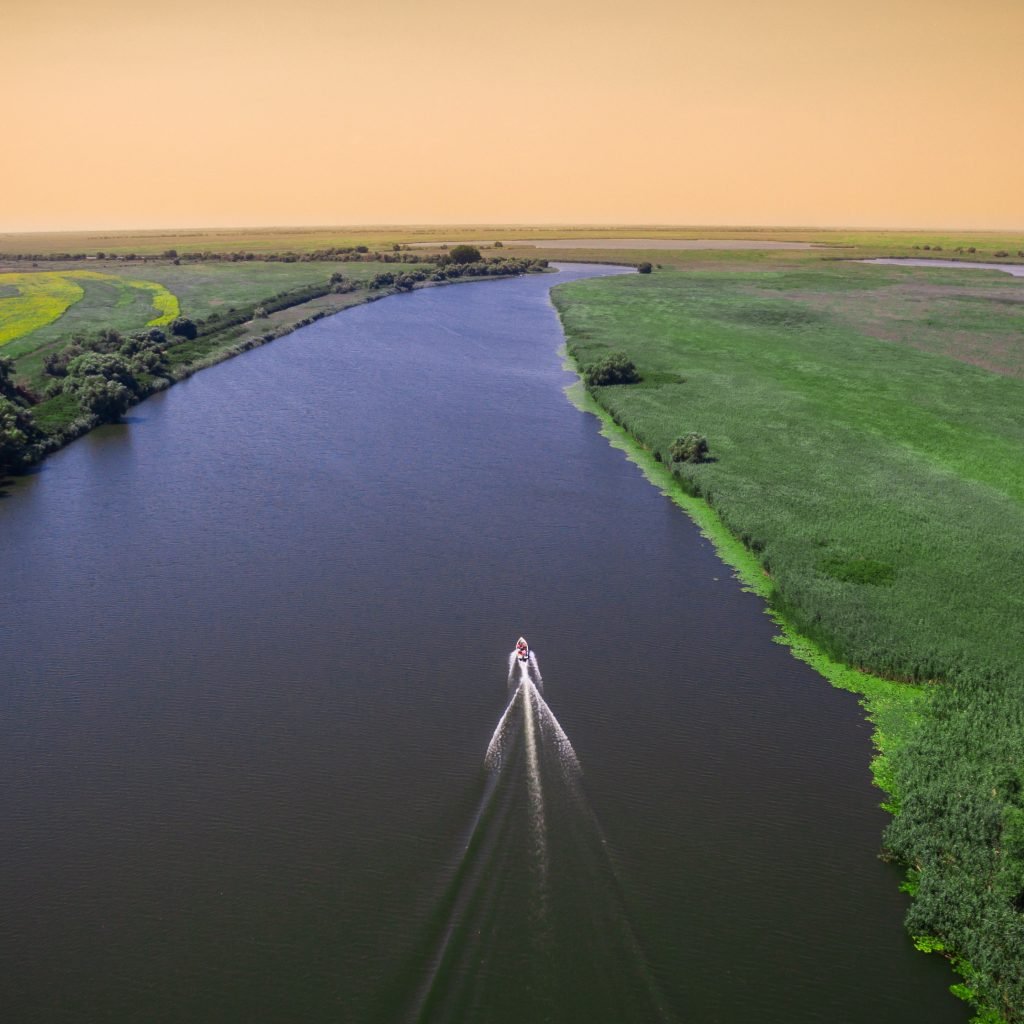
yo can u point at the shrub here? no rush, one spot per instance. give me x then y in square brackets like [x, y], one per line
[644, 268]
[464, 254]
[17, 436]
[615, 368]
[689, 448]
[106, 399]
[184, 328]
[1001, 252]
[108, 367]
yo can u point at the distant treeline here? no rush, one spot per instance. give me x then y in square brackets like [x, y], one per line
[94, 379]
[334, 254]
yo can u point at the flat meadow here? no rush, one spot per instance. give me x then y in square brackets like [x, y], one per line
[865, 426]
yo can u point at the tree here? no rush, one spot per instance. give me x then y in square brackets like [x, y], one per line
[644, 268]
[464, 254]
[184, 328]
[106, 366]
[689, 448]
[615, 368]
[106, 399]
[7, 386]
[17, 436]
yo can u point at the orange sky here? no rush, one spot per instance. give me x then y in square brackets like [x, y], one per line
[135, 113]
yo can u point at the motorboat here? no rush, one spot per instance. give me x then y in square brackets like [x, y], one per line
[522, 650]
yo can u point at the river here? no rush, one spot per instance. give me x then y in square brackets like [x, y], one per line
[255, 657]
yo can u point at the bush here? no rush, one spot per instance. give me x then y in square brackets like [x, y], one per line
[106, 399]
[17, 436]
[1001, 252]
[184, 328]
[644, 268]
[464, 254]
[689, 448]
[615, 368]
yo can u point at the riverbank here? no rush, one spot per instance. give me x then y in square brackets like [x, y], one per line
[891, 707]
[796, 407]
[46, 400]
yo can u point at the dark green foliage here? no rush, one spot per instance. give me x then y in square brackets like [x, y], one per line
[103, 384]
[464, 254]
[183, 327]
[8, 389]
[18, 436]
[644, 268]
[106, 399]
[614, 368]
[689, 448]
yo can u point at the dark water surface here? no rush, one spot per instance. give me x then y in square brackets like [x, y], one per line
[255, 649]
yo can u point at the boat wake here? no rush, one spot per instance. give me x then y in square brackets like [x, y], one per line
[532, 923]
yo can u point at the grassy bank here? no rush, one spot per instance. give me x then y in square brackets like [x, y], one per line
[865, 475]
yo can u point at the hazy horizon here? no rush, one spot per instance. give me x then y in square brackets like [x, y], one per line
[179, 229]
[898, 115]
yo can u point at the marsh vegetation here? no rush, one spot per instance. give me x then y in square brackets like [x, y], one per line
[868, 428]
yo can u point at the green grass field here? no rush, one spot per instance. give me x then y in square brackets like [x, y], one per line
[49, 307]
[44, 299]
[866, 431]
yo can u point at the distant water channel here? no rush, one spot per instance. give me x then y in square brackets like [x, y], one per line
[1016, 269]
[262, 757]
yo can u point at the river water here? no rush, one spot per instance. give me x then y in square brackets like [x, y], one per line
[263, 758]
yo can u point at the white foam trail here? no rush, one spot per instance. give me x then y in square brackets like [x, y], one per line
[529, 692]
[535, 672]
[549, 724]
[492, 759]
[522, 676]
